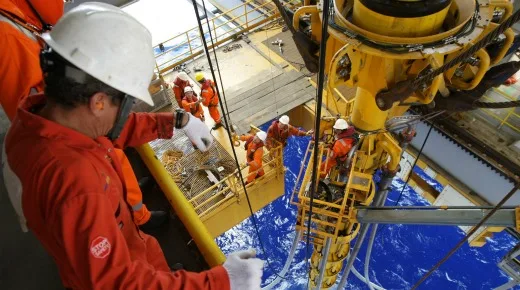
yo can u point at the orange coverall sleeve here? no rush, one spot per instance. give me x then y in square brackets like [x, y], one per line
[245, 137]
[89, 217]
[19, 68]
[141, 128]
[296, 132]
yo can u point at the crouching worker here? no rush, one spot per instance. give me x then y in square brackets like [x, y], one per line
[254, 147]
[61, 149]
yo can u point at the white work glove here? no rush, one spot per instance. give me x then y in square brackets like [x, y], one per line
[198, 133]
[244, 270]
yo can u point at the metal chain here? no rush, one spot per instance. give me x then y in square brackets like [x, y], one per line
[431, 74]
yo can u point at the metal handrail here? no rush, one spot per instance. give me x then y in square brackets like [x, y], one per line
[219, 37]
[231, 181]
[503, 120]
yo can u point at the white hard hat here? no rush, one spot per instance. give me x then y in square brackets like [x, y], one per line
[261, 135]
[183, 76]
[284, 120]
[108, 44]
[188, 89]
[340, 124]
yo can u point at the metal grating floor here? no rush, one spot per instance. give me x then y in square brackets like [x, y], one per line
[194, 163]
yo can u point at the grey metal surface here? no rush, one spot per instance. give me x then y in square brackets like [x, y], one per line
[502, 218]
[484, 181]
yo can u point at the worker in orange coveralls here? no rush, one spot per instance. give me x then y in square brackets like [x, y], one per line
[254, 147]
[280, 130]
[344, 140]
[191, 103]
[210, 98]
[60, 148]
[20, 22]
[181, 82]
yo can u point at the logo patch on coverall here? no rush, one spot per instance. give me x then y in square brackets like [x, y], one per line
[100, 247]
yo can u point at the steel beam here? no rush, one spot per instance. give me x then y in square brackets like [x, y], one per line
[460, 217]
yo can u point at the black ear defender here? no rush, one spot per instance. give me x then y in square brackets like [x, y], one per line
[51, 61]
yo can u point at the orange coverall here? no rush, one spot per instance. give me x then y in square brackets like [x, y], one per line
[254, 154]
[20, 72]
[178, 89]
[210, 99]
[74, 201]
[339, 152]
[275, 133]
[190, 105]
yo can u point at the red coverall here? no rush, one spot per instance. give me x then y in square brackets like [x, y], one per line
[339, 152]
[20, 72]
[254, 154]
[189, 104]
[210, 99]
[73, 198]
[178, 89]
[275, 133]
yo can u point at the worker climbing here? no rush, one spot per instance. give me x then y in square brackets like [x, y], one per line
[61, 150]
[280, 130]
[344, 140]
[21, 76]
[191, 103]
[181, 82]
[210, 98]
[254, 146]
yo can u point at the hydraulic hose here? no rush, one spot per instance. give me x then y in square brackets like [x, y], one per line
[288, 262]
[360, 277]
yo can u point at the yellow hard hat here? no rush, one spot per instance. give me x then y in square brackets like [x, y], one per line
[199, 76]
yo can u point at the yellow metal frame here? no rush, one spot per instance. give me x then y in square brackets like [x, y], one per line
[199, 233]
[273, 169]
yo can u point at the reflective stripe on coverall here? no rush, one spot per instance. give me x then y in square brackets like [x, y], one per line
[73, 198]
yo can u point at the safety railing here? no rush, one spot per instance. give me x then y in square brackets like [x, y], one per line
[230, 189]
[224, 27]
[506, 117]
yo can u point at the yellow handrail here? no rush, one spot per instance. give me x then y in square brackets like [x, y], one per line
[266, 13]
[200, 234]
[231, 181]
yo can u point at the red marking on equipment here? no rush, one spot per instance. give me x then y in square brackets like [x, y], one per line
[100, 247]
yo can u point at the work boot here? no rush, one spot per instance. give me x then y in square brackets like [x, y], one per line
[157, 219]
[218, 125]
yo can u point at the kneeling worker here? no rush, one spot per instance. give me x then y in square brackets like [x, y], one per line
[280, 130]
[190, 103]
[254, 147]
[61, 149]
[210, 99]
[343, 142]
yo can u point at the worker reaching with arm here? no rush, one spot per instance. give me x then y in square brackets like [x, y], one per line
[280, 130]
[61, 149]
[180, 83]
[21, 24]
[210, 98]
[191, 103]
[254, 147]
[343, 141]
